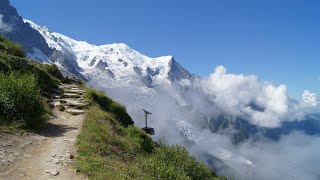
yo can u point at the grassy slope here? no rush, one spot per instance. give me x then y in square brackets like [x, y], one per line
[108, 149]
[25, 86]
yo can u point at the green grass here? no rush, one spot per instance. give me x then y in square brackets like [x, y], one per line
[108, 149]
[105, 148]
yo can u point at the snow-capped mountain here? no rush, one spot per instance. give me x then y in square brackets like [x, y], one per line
[115, 61]
[128, 76]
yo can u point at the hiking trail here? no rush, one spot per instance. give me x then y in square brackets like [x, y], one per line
[50, 153]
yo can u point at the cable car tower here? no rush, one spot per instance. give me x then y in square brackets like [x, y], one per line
[147, 129]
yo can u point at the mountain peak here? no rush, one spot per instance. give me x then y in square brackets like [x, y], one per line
[35, 26]
[177, 72]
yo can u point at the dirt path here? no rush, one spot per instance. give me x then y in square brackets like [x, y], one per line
[49, 154]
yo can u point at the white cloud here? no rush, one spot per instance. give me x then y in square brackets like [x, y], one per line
[262, 103]
[309, 98]
[294, 156]
[236, 94]
[4, 27]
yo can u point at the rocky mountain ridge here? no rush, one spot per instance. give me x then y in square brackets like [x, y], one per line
[13, 27]
[118, 61]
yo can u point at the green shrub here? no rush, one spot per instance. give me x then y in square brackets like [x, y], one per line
[121, 113]
[52, 70]
[109, 105]
[174, 162]
[143, 142]
[3, 67]
[20, 100]
[11, 47]
[24, 86]
[45, 81]
[11, 59]
[98, 98]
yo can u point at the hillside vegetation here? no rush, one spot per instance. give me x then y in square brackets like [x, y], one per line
[111, 148]
[25, 86]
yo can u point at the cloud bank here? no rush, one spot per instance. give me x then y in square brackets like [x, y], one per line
[262, 103]
[295, 156]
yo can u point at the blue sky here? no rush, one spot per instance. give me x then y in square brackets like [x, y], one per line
[278, 40]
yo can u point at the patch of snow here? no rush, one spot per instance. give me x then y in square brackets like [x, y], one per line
[188, 130]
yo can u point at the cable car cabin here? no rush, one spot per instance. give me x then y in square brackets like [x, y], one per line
[149, 130]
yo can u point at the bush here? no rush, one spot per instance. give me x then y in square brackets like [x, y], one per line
[46, 82]
[109, 105]
[3, 67]
[11, 47]
[11, 59]
[174, 162]
[98, 98]
[121, 114]
[144, 143]
[20, 100]
[52, 70]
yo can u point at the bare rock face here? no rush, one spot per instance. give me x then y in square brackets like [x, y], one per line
[102, 65]
[177, 72]
[69, 63]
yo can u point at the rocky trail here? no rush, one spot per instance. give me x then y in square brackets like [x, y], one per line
[50, 153]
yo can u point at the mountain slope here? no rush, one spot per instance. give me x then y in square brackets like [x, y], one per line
[14, 28]
[117, 61]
